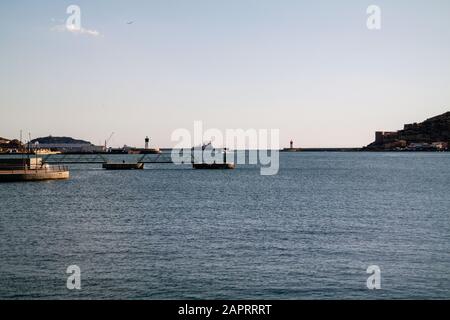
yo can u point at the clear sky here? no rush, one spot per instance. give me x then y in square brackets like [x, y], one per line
[309, 68]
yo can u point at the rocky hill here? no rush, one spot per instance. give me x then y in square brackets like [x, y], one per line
[59, 140]
[432, 132]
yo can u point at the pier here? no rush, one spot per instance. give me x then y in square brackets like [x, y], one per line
[101, 158]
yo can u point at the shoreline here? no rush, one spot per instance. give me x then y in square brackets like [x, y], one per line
[168, 150]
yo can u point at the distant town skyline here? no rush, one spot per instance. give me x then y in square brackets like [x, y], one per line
[311, 69]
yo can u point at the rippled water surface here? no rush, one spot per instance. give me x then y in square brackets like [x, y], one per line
[171, 232]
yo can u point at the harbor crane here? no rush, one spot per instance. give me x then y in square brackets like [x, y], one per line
[107, 141]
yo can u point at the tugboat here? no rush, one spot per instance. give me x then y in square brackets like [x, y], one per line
[213, 166]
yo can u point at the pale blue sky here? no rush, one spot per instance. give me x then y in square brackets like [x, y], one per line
[310, 68]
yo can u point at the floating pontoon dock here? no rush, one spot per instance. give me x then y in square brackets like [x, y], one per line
[123, 166]
[15, 170]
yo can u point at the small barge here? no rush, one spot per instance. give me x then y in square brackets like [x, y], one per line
[123, 166]
[212, 166]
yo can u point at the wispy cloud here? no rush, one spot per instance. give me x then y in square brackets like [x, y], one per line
[71, 29]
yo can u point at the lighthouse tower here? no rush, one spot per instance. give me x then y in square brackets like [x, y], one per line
[292, 144]
[147, 140]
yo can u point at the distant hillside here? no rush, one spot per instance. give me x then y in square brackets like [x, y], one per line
[431, 131]
[59, 140]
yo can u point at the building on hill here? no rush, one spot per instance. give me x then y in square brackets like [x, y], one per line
[4, 141]
[10, 146]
